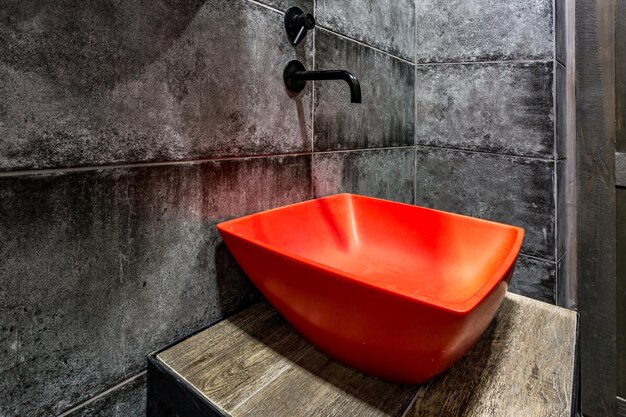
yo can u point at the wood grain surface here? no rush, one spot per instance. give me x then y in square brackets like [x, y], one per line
[596, 255]
[523, 366]
[255, 364]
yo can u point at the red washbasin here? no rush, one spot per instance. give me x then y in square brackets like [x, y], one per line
[394, 290]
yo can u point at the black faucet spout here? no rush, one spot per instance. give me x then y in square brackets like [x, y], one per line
[296, 77]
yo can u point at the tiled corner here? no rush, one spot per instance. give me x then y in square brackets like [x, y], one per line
[560, 11]
[386, 116]
[128, 400]
[484, 30]
[385, 24]
[535, 278]
[382, 173]
[502, 108]
[561, 110]
[114, 264]
[156, 81]
[508, 189]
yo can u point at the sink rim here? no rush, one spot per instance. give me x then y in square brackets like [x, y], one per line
[462, 307]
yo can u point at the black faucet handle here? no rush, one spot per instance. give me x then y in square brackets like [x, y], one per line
[297, 23]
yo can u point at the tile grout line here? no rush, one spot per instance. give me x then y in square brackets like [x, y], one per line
[266, 6]
[507, 155]
[504, 61]
[312, 191]
[340, 35]
[334, 32]
[102, 394]
[67, 170]
[537, 258]
[415, 103]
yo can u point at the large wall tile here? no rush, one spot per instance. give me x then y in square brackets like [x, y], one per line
[128, 400]
[386, 116]
[384, 173]
[499, 108]
[87, 83]
[535, 278]
[560, 29]
[114, 264]
[513, 190]
[483, 30]
[385, 24]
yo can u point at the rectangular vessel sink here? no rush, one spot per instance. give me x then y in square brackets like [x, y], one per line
[391, 289]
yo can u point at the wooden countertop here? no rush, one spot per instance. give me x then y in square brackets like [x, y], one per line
[255, 364]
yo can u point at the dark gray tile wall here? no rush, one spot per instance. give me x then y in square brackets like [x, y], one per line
[484, 30]
[385, 24]
[104, 263]
[387, 115]
[113, 264]
[498, 108]
[490, 105]
[127, 131]
[135, 81]
[127, 400]
[381, 173]
[535, 278]
[513, 190]
[561, 31]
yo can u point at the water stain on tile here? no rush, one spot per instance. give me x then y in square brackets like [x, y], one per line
[116, 263]
[386, 116]
[499, 108]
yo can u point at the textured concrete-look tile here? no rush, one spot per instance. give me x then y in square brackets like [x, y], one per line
[386, 116]
[386, 24]
[384, 173]
[535, 278]
[560, 30]
[561, 110]
[88, 83]
[10, 309]
[499, 108]
[9, 340]
[483, 30]
[128, 400]
[114, 264]
[513, 190]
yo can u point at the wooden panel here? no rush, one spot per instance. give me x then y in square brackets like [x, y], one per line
[318, 386]
[254, 364]
[595, 108]
[621, 291]
[620, 76]
[230, 361]
[620, 169]
[524, 366]
[621, 407]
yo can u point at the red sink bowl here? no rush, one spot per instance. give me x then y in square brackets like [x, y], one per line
[394, 290]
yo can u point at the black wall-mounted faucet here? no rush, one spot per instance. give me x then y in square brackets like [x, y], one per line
[296, 76]
[297, 23]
